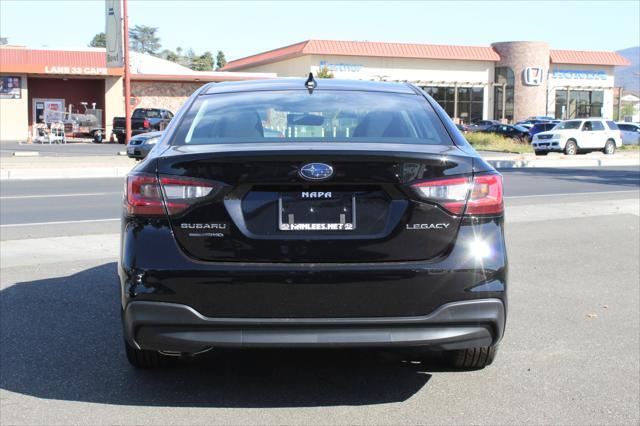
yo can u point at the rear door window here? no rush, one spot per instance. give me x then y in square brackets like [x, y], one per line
[146, 113]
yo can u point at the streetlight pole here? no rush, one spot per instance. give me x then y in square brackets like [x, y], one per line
[127, 77]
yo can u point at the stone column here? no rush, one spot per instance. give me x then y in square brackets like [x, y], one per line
[519, 55]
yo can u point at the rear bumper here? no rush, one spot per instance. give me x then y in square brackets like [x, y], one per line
[553, 145]
[179, 328]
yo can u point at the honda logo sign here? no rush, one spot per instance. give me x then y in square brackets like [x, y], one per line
[533, 76]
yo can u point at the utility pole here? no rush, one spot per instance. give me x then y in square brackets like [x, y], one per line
[620, 103]
[127, 77]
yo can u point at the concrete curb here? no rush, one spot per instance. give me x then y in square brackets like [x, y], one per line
[112, 172]
[563, 163]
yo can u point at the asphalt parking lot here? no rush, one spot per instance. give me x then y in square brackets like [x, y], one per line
[570, 353]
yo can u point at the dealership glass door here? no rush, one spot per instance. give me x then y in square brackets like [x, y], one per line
[578, 103]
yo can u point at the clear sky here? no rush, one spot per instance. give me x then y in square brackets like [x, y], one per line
[242, 28]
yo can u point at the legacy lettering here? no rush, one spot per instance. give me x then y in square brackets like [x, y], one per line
[428, 225]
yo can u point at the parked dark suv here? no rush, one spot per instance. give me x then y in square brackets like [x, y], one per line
[363, 218]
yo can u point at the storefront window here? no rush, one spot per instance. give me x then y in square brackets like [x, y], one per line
[470, 101]
[10, 87]
[581, 103]
[505, 81]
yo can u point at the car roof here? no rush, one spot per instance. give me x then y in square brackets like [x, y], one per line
[299, 83]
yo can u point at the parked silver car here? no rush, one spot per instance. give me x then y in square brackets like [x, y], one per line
[630, 133]
[140, 145]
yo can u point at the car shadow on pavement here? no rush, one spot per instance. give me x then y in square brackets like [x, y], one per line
[61, 339]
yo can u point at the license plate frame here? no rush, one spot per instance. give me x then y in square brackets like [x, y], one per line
[346, 220]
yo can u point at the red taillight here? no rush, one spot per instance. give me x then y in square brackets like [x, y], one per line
[145, 123]
[143, 196]
[486, 196]
[481, 195]
[449, 193]
[180, 193]
[148, 196]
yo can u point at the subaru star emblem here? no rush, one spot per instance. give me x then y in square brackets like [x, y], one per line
[316, 171]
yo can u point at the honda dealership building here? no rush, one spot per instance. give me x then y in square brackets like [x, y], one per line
[507, 80]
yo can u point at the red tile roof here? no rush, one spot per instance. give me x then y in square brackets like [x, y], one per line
[92, 62]
[70, 58]
[87, 62]
[367, 48]
[587, 57]
[415, 51]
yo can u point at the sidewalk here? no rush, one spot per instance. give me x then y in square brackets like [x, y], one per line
[64, 167]
[59, 167]
[557, 160]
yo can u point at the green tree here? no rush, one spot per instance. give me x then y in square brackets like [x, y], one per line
[221, 61]
[203, 62]
[98, 40]
[627, 109]
[144, 39]
[324, 73]
[169, 55]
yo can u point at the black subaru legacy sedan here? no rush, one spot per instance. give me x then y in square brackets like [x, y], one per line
[304, 213]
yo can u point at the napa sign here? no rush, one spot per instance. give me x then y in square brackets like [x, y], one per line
[340, 67]
[579, 74]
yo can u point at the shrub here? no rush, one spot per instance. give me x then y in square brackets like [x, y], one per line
[493, 142]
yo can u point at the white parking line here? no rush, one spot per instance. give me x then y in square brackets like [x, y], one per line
[573, 193]
[87, 194]
[61, 222]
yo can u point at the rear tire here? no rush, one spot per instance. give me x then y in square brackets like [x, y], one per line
[472, 358]
[120, 139]
[98, 136]
[571, 148]
[141, 358]
[609, 147]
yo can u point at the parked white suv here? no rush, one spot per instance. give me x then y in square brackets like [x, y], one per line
[580, 135]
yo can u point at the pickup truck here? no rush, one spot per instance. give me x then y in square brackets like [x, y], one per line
[143, 120]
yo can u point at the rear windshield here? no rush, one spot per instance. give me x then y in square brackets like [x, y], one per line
[298, 116]
[146, 113]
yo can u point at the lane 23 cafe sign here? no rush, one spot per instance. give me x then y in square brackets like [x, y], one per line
[75, 70]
